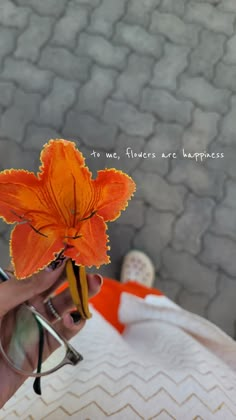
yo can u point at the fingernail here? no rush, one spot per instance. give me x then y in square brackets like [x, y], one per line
[98, 279]
[76, 317]
[54, 265]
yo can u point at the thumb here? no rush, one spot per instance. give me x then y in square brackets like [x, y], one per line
[14, 292]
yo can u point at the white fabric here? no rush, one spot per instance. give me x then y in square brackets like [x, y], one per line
[169, 364]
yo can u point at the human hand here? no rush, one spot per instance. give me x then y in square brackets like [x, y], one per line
[35, 291]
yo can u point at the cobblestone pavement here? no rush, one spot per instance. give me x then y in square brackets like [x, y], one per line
[154, 76]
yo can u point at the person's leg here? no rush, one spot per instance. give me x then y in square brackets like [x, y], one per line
[137, 278]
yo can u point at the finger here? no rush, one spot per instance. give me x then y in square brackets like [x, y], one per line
[95, 282]
[94, 285]
[59, 282]
[68, 328]
[13, 292]
[63, 303]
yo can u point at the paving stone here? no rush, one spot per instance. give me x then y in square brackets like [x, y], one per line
[202, 131]
[107, 158]
[120, 242]
[227, 6]
[128, 118]
[100, 160]
[133, 215]
[225, 222]
[139, 40]
[157, 192]
[220, 251]
[7, 91]
[207, 54]
[225, 165]
[201, 180]
[36, 136]
[170, 66]
[49, 7]
[65, 64]
[27, 75]
[139, 11]
[4, 250]
[155, 235]
[136, 144]
[3, 227]
[166, 106]
[94, 164]
[91, 3]
[136, 75]
[105, 16]
[211, 18]
[167, 139]
[230, 56]
[21, 112]
[230, 195]
[13, 16]
[69, 26]
[93, 94]
[225, 214]
[176, 30]
[102, 51]
[225, 76]
[179, 265]
[222, 310]
[168, 287]
[90, 130]
[7, 235]
[196, 303]
[109, 270]
[228, 129]
[174, 7]
[205, 94]
[33, 38]
[214, 2]
[59, 100]
[17, 158]
[7, 42]
[192, 224]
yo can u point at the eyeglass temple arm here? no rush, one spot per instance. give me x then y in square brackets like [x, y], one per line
[3, 275]
[37, 382]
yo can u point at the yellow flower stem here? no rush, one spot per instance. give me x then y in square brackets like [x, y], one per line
[78, 289]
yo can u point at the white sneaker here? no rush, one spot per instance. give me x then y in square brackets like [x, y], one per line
[138, 267]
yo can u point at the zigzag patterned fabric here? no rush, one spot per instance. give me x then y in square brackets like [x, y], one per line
[169, 364]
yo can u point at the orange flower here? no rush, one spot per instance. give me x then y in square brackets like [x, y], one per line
[61, 209]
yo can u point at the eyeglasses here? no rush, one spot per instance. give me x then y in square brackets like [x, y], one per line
[23, 335]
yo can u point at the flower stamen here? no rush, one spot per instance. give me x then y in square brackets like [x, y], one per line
[73, 237]
[28, 221]
[89, 217]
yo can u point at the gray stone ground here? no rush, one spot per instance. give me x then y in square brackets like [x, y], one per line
[152, 75]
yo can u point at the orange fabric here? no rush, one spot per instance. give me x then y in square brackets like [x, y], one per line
[108, 300]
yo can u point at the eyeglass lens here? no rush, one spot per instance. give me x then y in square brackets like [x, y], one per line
[21, 337]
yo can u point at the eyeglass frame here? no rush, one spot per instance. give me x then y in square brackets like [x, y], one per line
[72, 356]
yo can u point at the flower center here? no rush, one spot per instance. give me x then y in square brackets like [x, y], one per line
[71, 233]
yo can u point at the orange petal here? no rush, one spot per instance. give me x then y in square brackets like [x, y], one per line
[19, 194]
[91, 248]
[31, 251]
[67, 182]
[114, 189]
